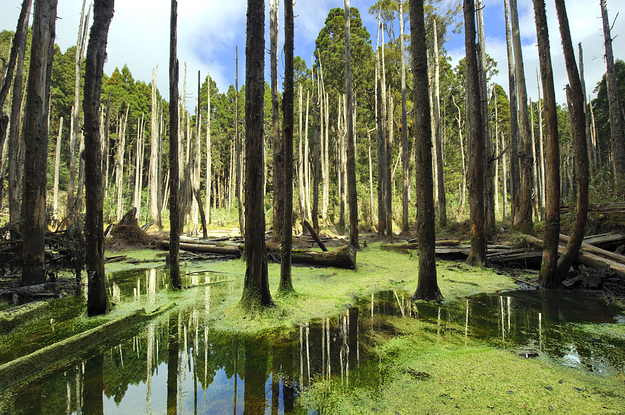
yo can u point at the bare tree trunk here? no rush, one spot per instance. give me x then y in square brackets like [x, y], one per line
[15, 183]
[388, 186]
[476, 146]
[504, 174]
[405, 224]
[370, 181]
[306, 162]
[57, 163]
[616, 127]
[535, 177]
[300, 161]
[278, 163]
[198, 156]
[209, 159]
[543, 193]
[427, 287]
[139, 155]
[286, 282]
[351, 150]
[239, 153]
[80, 49]
[256, 286]
[548, 275]
[592, 158]
[36, 140]
[515, 179]
[174, 178]
[155, 210]
[525, 223]
[119, 174]
[497, 155]
[340, 165]
[97, 301]
[438, 142]
[316, 161]
[463, 193]
[578, 124]
[81, 174]
[379, 139]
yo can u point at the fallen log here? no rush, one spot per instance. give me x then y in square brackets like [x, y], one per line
[586, 258]
[605, 241]
[315, 236]
[234, 251]
[598, 251]
[344, 257]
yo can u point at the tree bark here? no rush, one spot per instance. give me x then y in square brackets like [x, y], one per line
[278, 162]
[525, 223]
[438, 146]
[405, 223]
[36, 141]
[476, 145]
[97, 301]
[616, 126]
[155, 210]
[427, 287]
[119, 174]
[380, 140]
[578, 124]
[239, 154]
[316, 161]
[174, 178]
[351, 150]
[256, 285]
[515, 179]
[57, 163]
[300, 161]
[286, 282]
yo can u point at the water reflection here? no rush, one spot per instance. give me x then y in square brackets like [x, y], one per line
[178, 365]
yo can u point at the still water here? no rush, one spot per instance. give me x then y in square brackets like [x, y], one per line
[177, 364]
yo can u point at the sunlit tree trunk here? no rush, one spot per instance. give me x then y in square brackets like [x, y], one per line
[438, 143]
[543, 196]
[300, 161]
[405, 226]
[477, 256]
[306, 162]
[36, 141]
[155, 210]
[316, 159]
[97, 301]
[379, 138]
[548, 275]
[239, 152]
[119, 174]
[209, 156]
[278, 167]
[351, 149]
[427, 287]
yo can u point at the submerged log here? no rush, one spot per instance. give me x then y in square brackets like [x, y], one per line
[344, 257]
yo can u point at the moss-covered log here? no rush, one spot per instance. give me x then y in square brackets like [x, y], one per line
[344, 257]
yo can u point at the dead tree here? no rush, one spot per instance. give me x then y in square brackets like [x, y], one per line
[438, 142]
[351, 150]
[405, 226]
[36, 141]
[155, 210]
[174, 178]
[427, 287]
[97, 302]
[278, 162]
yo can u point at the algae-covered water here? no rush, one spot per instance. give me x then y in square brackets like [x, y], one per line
[517, 352]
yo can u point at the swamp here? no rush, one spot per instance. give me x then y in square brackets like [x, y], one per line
[348, 341]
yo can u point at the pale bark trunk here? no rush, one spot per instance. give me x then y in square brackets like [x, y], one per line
[155, 210]
[209, 156]
[463, 192]
[316, 159]
[36, 140]
[81, 174]
[239, 159]
[370, 181]
[543, 193]
[440, 180]
[119, 174]
[496, 182]
[278, 165]
[138, 155]
[405, 224]
[379, 138]
[388, 175]
[300, 160]
[525, 223]
[306, 162]
[504, 174]
[535, 185]
[592, 158]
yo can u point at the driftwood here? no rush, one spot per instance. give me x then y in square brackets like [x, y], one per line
[315, 236]
[344, 257]
[586, 258]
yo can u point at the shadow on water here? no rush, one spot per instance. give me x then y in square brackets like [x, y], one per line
[178, 365]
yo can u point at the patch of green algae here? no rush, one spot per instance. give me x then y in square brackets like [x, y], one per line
[427, 370]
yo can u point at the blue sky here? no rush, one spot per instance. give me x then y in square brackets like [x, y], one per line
[210, 30]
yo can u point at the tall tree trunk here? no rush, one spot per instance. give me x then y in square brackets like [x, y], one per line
[504, 175]
[15, 182]
[97, 301]
[543, 186]
[286, 282]
[174, 177]
[278, 163]
[515, 178]
[256, 285]
[119, 174]
[19, 42]
[198, 156]
[300, 161]
[489, 168]
[316, 160]
[463, 191]
[36, 141]
[81, 174]
[548, 275]
[578, 124]
[209, 156]
[497, 155]
[388, 185]
[525, 223]
[370, 180]
[74, 133]
[239, 154]
[427, 287]
[379, 139]
[351, 150]
[306, 163]
[592, 157]
[155, 210]
[616, 126]
[405, 224]
[139, 155]
[535, 178]
[57, 163]
[438, 143]
[476, 146]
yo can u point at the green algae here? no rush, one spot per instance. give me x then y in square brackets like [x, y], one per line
[19, 315]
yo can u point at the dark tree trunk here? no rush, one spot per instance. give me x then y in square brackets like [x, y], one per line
[97, 302]
[256, 285]
[616, 125]
[427, 287]
[405, 227]
[477, 256]
[278, 162]
[548, 275]
[172, 361]
[36, 141]
[286, 283]
[578, 123]
[351, 150]
[174, 178]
